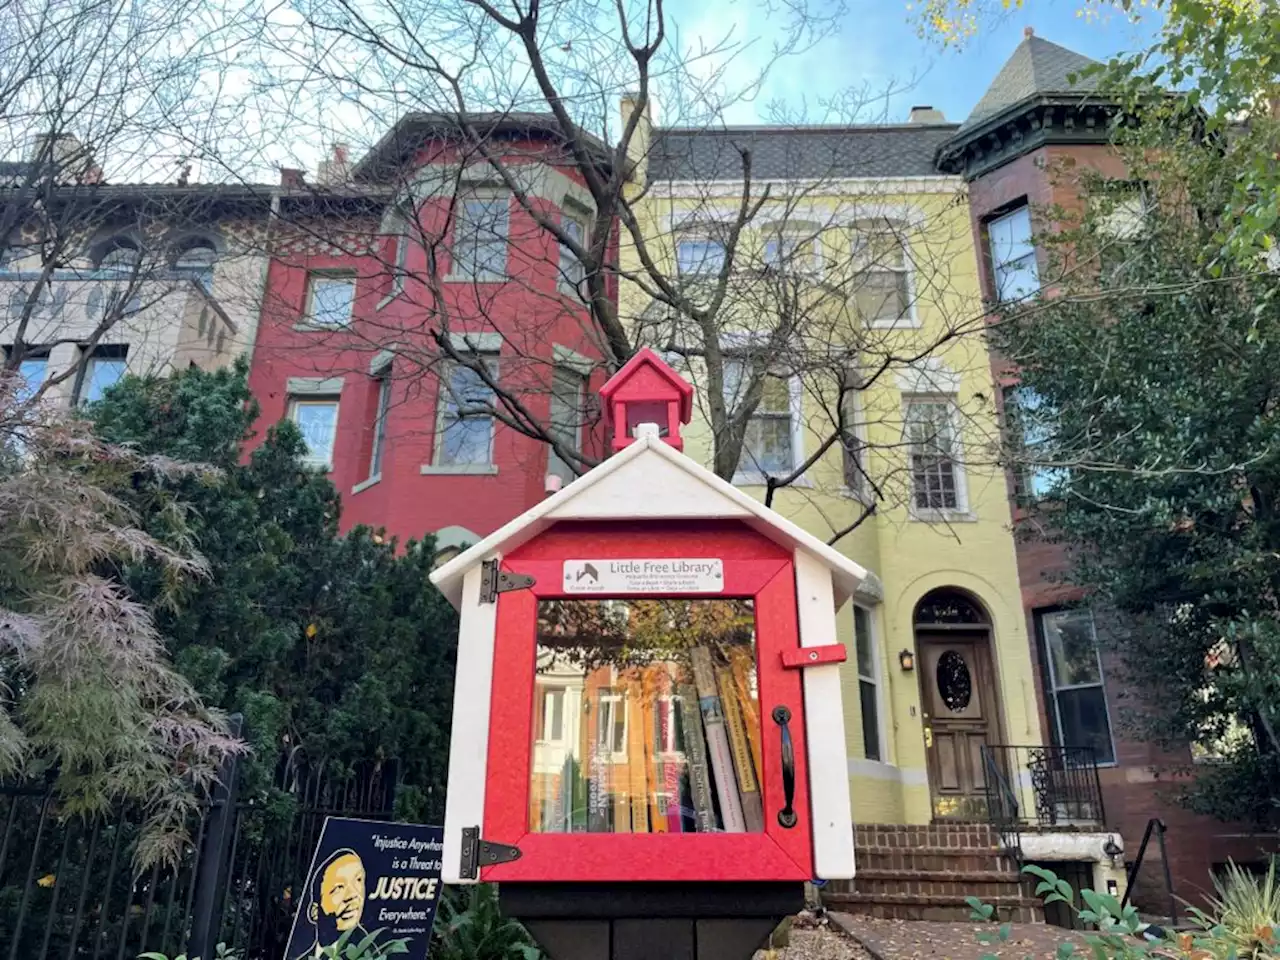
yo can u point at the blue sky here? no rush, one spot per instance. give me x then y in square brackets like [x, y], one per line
[876, 49]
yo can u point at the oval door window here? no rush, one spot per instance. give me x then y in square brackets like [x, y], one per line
[955, 683]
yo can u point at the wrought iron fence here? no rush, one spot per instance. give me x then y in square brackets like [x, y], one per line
[69, 889]
[1042, 785]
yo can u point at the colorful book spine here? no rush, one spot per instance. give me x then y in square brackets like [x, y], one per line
[672, 766]
[699, 769]
[748, 785]
[653, 766]
[743, 673]
[637, 782]
[718, 751]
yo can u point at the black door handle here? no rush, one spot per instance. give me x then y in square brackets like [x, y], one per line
[787, 815]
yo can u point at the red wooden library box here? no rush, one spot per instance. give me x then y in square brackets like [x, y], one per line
[647, 685]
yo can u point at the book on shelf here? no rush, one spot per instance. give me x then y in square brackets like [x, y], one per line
[718, 751]
[744, 668]
[743, 765]
[637, 781]
[653, 765]
[696, 752]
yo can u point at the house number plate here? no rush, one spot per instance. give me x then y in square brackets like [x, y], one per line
[657, 576]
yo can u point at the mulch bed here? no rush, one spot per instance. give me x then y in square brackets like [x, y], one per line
[910, 939]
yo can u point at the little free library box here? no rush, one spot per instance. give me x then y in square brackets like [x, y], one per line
[647, 720]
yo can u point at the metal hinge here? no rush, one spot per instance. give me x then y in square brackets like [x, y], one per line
[494, 581]
[477, 853]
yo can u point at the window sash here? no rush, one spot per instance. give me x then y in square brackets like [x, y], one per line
[332, 298]
[568, 390]
[611, 727]
[883, 295]
[699, 257]
[768, 442]
[480, 238]
[380, 425]
[1014, 268]
[466, 425]
[553, 702]
[1078, 701]
[931, 441]
[868, 689]
[572, 269]
[33, 371]
[317, 420]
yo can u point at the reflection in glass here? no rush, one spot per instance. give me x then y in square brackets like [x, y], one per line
[646, 718]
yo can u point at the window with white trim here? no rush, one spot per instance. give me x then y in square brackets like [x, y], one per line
[1077, 696]
[553, 719]
[868, 687]
[573, 223]
[330, 298]
[882, 286]
[699, 256]
[466, 415]
[853, 445]
[480, 238]
[769, 444]
[1014, 271]
[380, 422]
[791, 250]
[317, 420]
[933, 447]
[611, 720]
[568, 393]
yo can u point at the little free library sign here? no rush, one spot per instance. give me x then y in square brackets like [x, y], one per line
[652, 576]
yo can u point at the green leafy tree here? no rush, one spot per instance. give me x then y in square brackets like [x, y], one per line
[1151, 389]
[88, 696]
[335, 644]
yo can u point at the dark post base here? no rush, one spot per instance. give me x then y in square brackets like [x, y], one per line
[648, 921]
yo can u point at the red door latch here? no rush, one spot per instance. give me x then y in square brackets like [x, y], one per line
[802, 657]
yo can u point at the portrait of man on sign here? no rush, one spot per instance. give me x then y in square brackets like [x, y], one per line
[336, 892]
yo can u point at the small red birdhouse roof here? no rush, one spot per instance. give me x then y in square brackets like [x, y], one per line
[647, 378]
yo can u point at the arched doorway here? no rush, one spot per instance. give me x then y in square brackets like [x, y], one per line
[959, 700]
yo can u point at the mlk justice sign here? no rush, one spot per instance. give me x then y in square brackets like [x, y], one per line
[369, 878]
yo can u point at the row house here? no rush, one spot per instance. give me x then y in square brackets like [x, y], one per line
[411, 327]
[412, 315]
[855, 292]
[1023, 152]
[99, 279]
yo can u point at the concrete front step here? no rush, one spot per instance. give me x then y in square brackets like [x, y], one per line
[890, 906]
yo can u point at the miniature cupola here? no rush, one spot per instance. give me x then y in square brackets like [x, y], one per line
[646, 390]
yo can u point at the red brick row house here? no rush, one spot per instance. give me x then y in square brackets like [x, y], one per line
[390, 318]
[1023, 150]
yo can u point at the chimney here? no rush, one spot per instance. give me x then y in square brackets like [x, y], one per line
[1028, 33]
[638, 146]
[292, 177]
[337, 167]
[926, 114]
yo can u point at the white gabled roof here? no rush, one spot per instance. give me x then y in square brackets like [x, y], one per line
[650, 480]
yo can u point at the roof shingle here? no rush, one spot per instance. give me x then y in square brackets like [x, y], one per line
[787, 153]
[1036, 68]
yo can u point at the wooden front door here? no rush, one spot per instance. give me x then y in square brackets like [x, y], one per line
[958, 692]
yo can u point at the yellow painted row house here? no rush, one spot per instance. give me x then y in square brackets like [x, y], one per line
[850, 279]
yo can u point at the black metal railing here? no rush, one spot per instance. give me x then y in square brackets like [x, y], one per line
[1157, 826]
[1042, 785]
[69, 889]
